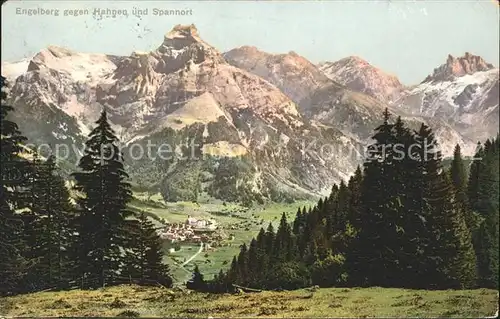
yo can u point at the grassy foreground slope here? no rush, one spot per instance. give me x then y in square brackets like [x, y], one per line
[135, 301]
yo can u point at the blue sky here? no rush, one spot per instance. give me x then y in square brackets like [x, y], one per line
[407, 38]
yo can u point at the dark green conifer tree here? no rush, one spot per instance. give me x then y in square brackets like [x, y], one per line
[232, 274]
[373, 263]
[335, 190]
[297, 222]
[13, 265]
[254, 269]
[341, 208]
[270, 235]
[450, 258]
[262, 256]
[487, 206]
[355, 204]
[459, 179]
[242, 263]
[283, 241]
[473, 181]
[105, 192]
[197, 282]
[408, 220]
[146, 254]
[36, 279]
[49, 227]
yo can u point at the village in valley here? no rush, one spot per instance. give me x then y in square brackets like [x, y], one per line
[206, 234]
[194, 230]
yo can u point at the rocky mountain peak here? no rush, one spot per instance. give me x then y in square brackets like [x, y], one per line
[248, 49]
[182, 46]
[356, 59]
[459, 66]
[296, 76]
[360, 76]
[81, 67]
[49, 56]
[241, 105]
[184, 30]
[180, 37]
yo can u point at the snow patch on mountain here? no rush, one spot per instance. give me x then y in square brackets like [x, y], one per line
[448, 91]
[11, 70]
[463, 92]
[81, 67]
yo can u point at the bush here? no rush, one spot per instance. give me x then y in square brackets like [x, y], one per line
[289, 275]
[329, 271]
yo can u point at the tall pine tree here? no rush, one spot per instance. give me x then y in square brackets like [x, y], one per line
[13, 266]
[47, 228]
[449, 255]
[105, 192]
[145, 254]
[374, 261]
[459, 178]
[486, 203]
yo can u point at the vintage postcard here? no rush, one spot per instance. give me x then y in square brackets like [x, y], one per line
[249, 159]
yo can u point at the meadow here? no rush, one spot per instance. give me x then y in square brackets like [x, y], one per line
[136, 301]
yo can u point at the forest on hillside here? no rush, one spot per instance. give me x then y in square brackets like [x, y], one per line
[400, 221]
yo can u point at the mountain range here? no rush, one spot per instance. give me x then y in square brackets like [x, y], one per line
[243, 125]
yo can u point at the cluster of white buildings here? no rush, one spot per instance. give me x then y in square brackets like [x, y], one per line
[191, 230]
[201, 224]
[177, 232]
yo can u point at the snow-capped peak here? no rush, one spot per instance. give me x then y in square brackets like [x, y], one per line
[463, 92]
[459, 66]
[11, 70]
[81, 67]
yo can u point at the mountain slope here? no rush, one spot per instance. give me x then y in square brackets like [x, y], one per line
[360, 76]
[290, 72]
[316, 95]
[349, 94]
[227, 132]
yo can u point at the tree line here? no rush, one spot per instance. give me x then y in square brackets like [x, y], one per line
[51, 240]
[400, 221]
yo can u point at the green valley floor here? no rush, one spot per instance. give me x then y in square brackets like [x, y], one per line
[241, 222]
[136, 301]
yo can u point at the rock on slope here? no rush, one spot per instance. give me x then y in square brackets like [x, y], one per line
[231, 133]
